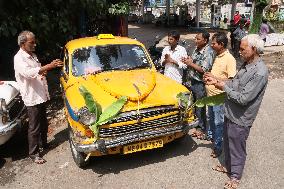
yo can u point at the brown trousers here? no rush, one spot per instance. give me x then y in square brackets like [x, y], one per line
[37, 131]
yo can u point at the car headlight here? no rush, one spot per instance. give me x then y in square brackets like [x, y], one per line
[3, 105]
[3, 118]
[3, 112]
[185, 100]
[86, 117]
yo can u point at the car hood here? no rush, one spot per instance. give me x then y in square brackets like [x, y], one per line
[9, 90]
[144, 88]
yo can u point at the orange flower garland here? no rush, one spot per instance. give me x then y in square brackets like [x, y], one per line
[139, 98]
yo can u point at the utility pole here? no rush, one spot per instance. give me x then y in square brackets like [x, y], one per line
[197, 17]
[234, 5]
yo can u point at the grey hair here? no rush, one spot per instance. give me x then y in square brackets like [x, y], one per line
[22, 38]
[255, 40]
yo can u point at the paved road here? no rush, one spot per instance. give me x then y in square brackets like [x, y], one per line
[184, 164]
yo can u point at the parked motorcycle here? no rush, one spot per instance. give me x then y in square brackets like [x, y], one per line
[156, 53]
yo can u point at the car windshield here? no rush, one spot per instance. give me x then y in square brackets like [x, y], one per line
[91, 60]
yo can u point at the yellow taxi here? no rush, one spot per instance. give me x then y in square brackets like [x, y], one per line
[115, 100]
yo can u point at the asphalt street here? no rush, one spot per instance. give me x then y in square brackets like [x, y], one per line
[181, 164]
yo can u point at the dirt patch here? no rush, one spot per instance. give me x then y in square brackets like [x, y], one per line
[275, 65]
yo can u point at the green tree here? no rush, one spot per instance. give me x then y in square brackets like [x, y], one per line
[258, 6]
[121, 9]
[53, 22]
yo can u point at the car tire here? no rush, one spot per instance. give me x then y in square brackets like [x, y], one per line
[79, 157]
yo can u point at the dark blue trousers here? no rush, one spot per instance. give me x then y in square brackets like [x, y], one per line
[235, 137]
[198, 90]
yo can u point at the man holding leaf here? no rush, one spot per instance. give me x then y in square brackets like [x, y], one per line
[224, 68]
[244, 94]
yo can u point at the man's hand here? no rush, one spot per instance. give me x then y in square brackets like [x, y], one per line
[208, 74]
[44, 73]
[220, 85]
[210, 80]
[168, 59]
[188, 61]
[56, 63]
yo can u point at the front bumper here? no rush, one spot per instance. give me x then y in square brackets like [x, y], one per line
[103, 145]
[7, 131]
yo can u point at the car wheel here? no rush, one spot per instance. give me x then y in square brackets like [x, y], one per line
[79, 157]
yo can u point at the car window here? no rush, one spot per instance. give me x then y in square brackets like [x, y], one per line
[96, 59]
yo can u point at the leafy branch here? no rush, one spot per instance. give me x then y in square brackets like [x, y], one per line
[102, 117]
[205, 101]
[210, 100]
[121, 8]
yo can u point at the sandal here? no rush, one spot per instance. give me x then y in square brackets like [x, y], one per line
[201, 135]
[220, 169]
[233, 183]
[37, 159]
[194, 133]
[215, 154]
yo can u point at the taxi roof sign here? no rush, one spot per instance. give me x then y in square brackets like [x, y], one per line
[105, 36]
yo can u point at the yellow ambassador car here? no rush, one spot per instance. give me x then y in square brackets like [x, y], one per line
[116, 102]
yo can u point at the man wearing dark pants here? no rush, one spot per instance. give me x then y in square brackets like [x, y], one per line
[37, 124]
[244, 95]
[200, 62]
[30, 76]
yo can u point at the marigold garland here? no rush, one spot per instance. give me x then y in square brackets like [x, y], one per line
[139, 98]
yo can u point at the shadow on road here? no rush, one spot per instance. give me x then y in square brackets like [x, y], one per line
[17, 147]
[2, 162]
[117, 163]
[59, 138]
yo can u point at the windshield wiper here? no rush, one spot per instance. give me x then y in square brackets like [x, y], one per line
[139, 66]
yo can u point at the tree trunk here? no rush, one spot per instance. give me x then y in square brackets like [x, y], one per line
[123, 26]
[256, 18]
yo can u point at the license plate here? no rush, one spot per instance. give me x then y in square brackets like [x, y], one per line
[142, 146]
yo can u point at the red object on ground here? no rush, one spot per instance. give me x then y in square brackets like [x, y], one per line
[1, 82]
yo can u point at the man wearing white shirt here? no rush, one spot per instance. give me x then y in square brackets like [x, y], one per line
[172, 58]
[30, 76]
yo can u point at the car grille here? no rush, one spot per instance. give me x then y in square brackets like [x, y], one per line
[15, 107]
[166, 121]
[143, 113]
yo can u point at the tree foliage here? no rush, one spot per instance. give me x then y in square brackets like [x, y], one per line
[121, 8]
[259, 5]
[53, 22]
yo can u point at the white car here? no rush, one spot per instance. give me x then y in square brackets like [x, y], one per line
[12, 110]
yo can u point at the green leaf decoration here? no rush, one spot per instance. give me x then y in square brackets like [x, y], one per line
[91, 104]
[95, 129]
[183, 98]
[111, 111]
[210, 100]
